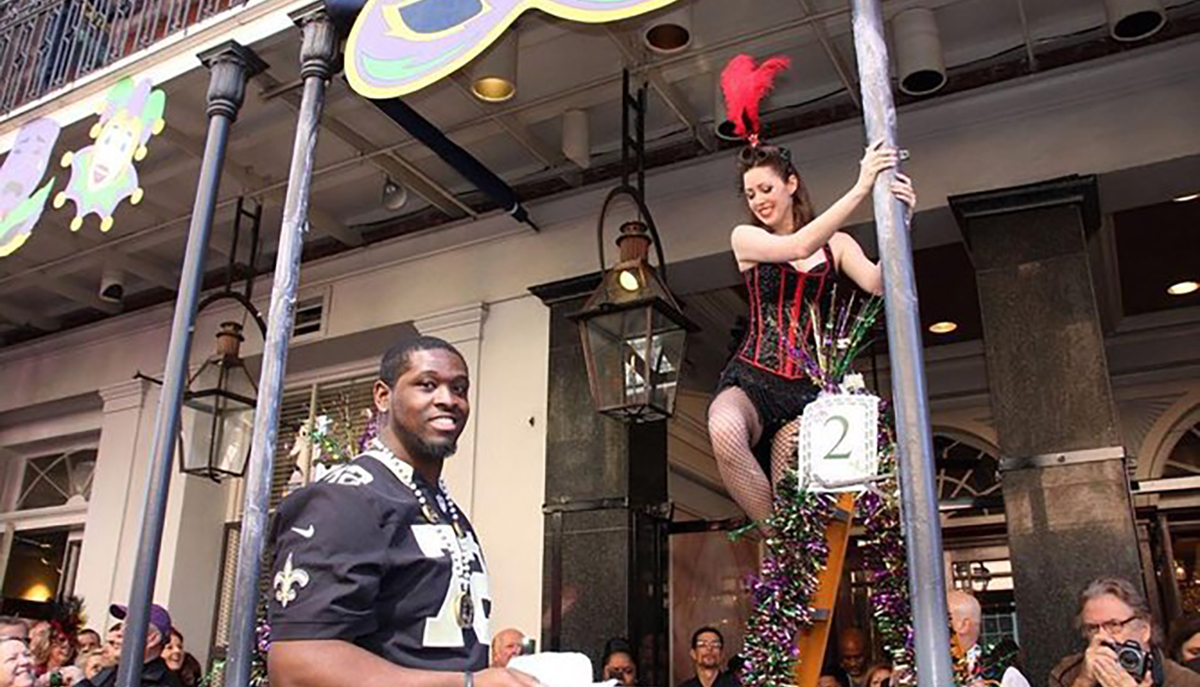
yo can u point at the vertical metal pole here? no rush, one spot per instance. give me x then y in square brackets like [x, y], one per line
[317, 54]
[922, 528]
[230, 65]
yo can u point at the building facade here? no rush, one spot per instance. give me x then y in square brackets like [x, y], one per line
[76, 421]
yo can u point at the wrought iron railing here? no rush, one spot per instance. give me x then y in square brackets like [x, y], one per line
[47, 44]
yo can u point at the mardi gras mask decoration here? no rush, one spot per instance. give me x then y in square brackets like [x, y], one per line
[102, 174]
[21, 201]
[400, 46]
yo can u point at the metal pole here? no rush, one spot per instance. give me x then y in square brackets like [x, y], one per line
[918, 499]
[230, 65]
[318, 52]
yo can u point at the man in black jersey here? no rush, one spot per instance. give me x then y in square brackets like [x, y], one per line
[378, 578]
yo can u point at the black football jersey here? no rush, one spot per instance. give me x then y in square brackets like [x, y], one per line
[356, 559]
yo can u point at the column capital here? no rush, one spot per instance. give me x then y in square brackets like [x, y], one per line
[231, 64]
[456, 325]
[124, 395]
[319, 49]
[1076, 190]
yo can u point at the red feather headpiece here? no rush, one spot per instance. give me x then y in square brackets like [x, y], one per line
[745, 86]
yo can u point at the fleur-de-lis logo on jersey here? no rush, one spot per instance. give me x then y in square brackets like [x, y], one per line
[287, 581]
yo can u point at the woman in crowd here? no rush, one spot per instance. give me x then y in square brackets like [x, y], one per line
[1184, 644]
[879, 676]
[172, 653]
[618, 662]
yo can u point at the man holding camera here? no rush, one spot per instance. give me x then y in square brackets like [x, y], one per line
[1122, 648]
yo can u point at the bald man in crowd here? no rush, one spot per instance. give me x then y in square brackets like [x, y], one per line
[852, 651]
[505, 645]
[966, 621]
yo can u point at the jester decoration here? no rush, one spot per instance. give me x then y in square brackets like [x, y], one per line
[400, 46]
[102, 174]
[21, 201]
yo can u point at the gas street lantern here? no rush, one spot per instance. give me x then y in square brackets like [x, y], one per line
[217, 416]
[219, 404]
[633, 331]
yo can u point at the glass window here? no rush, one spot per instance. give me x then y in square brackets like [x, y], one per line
[57, 480]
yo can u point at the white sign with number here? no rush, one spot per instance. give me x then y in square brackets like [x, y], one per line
[839, 442]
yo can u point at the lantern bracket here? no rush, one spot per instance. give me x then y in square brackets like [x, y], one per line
[249, 268]
[632, 105]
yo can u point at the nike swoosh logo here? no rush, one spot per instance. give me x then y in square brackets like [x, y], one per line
[307, 532]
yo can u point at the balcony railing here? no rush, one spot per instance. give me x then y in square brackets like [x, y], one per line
[47, 44]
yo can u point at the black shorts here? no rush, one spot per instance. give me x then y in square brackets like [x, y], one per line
[778, 400]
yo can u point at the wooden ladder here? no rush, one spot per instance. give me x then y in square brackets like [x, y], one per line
[811, 642]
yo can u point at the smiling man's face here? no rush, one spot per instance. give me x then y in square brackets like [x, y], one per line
[428, 406]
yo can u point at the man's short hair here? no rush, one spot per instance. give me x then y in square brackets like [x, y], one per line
[704, 630]
[395, 359]
[88, 631]
[1119, 587]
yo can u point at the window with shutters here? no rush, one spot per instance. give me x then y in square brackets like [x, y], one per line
[346, 403]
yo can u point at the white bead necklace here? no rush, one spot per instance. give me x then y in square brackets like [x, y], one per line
[458, 546]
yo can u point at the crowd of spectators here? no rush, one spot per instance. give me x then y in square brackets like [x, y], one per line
[42, 654]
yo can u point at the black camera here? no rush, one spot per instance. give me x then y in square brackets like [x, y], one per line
[1132, 658]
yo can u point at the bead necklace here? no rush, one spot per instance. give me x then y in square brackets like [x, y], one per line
[460, 568]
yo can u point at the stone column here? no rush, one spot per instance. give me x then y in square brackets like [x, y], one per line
[1066, 491]
[605, 557]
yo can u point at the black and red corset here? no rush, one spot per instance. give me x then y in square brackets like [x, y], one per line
[780, 314]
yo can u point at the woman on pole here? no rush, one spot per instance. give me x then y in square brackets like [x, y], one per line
[789, 259]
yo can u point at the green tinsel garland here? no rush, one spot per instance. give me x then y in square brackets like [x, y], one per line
[796, 554]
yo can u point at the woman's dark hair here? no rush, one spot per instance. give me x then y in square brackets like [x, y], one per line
[779, 160]
[190, 673]
[1181, 631]
[617, 645]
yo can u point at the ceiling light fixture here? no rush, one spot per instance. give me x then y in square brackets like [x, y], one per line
[722, 127]
[394, 195]
[943, 327]
[670, 32]
[1183, 288]
[494, 76]
[919, 60]
[576, 140]
[1133, 20]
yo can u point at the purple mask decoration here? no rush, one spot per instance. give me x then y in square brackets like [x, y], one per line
[21, 201]
[400, 46]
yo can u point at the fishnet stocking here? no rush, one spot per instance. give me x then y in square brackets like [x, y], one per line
[734, 427]
[783, 450]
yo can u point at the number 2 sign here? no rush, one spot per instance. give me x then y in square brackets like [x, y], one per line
[838, 442]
